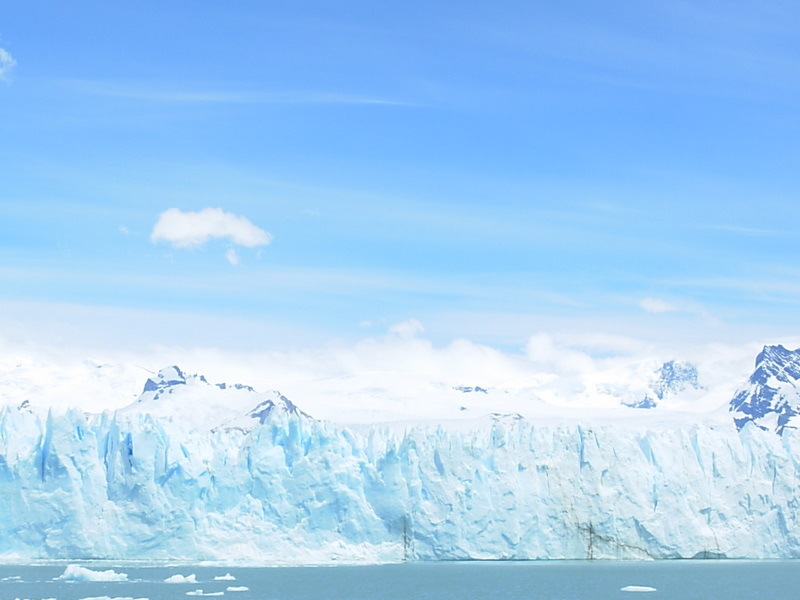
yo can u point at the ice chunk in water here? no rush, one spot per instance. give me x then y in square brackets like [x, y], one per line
[78, 573]
[181, 579]
[638, 588]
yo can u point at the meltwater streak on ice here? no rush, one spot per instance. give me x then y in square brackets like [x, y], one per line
[270, 484]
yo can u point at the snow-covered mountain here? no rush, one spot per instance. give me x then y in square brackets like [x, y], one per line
[192, 403]
[771, 397]
[672, 379]
[198, 471]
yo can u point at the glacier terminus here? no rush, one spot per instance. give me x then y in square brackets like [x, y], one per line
[193, 471]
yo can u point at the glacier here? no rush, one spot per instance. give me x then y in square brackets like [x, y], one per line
[194, 471]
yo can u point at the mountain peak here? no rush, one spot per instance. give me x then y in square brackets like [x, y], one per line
[673, 378]
[165, 380]
[771, 399]
[777, 362]
[172, 393]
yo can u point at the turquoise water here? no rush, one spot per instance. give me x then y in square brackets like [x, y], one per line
[557, 580]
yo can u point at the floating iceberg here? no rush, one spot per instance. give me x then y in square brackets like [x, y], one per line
[78, 573]
[637, 588]
[181, 579]
[112, 598]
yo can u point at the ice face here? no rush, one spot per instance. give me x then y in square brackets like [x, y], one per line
[195, 471]
[292, 489]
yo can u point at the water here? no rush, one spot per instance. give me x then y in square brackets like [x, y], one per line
[567, 580]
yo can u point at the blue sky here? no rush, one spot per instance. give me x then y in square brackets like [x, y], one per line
[489, 170]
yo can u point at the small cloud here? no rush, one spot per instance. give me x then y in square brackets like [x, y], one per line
[554, 356]
[124, 230]
[194, 229]
[407, 329]
[7, 63]
[232, 256]
[658, 306]
[365, 324]
[655, 305]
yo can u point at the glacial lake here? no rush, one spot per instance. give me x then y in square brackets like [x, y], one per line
[546, 580]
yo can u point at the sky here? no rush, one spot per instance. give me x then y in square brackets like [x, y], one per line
[262, 175]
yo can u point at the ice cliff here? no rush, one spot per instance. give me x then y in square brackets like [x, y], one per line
[196, 471]
[268, 483]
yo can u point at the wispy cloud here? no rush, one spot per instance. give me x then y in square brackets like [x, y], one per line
[155, 93]
[657, 306]
[407, 329]
[660, 306]
[7, 64]
[232, 256]
[749, 231]
[774, 286]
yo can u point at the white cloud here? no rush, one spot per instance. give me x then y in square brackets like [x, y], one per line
[655, 305]
[194, 229]
[7, 63]
[232, 256]
[407, 329]
[658, 306]
[379, 378]
[552, 356]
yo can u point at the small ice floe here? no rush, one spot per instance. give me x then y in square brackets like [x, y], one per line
[237, 588]
[202, 593]
[181, 579]
[226, 577]
[638, 588]
[113, 598]
[78, 573]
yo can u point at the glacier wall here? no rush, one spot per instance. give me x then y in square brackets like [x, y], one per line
[293, 489]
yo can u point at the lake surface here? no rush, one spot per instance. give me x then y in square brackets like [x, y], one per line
[556, 580]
